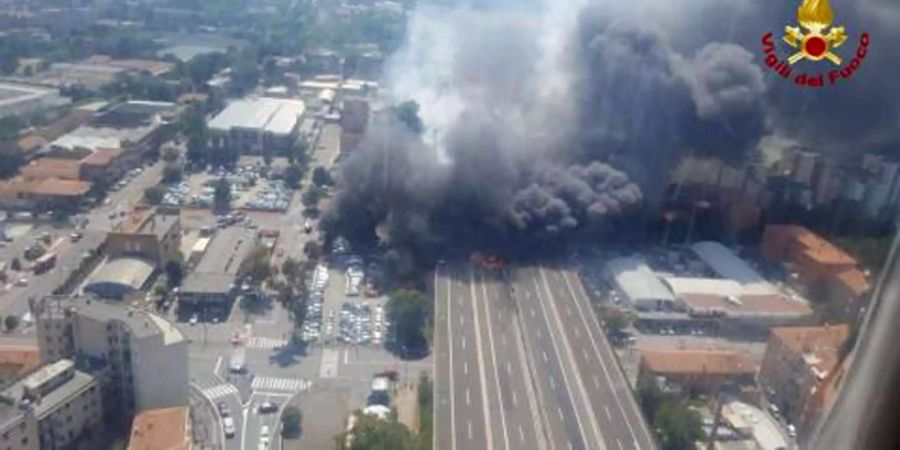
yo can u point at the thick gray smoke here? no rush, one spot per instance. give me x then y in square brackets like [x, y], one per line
[549, 119]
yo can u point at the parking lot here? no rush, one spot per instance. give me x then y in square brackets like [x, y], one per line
[251, 188]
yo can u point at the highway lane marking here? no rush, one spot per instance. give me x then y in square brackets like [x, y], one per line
[450, 370]
[620, 444]
[612, 386]
[482, 377]
[584, 353]
[596, 382]
[466, 367]
[468, 398]
[521, 434]
[515, 399]
[464, 342]
[559, 410]
[552, 383]
[470, 430]
[462, 321]
[532, 312]
[509, 368]
[490, 329]
[562, 366]
[545, 355]
[608, 415]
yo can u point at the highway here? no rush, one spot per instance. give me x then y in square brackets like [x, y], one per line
[521, 363]
[601, 381]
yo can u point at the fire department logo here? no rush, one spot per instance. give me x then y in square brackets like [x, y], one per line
[815, 17]
[816, 38]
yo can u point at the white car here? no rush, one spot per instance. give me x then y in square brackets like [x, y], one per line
[194, 319]
[228, 427]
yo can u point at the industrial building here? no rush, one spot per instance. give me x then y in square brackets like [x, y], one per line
[257, 125]
[119, 277]
[24, 99]
[123, 347]
[634, 279]
[211, 286]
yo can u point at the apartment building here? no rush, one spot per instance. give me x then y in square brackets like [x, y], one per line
[125, 348]
[800, 362]
[52, 408]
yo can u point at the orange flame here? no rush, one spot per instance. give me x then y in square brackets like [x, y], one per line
[815, 12]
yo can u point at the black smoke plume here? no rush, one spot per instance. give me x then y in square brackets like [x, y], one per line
[552, 120]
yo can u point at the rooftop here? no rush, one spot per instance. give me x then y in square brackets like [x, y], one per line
[147, 221]
[815, 247]
[56, 397]
[127, 271]
[771, 305]
[101, 157]
[228, 250]
[818, 346]
[726, 264]
[52, 168]
[161, 429]
[48, 186]
[854, 281]
[11, 93]
[19, 359]
[271, 115]
[685, 362]
[636, 280]
[141, 323]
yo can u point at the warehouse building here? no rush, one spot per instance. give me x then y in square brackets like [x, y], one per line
[634, 279]
[210, 288]
[257, 125]
[23, 99]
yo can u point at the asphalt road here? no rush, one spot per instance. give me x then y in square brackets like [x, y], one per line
[600, 380]
[484, 397]
[521, 363]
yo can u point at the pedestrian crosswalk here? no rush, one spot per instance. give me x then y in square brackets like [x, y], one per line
[280, 384]
[220, 390]
[265, 342]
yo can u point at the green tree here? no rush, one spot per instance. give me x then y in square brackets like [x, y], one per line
[292, 269]
[321, 177]
[258, 268]
[292, 176]
[311, 197]
[290, 422]
[371, 433]
[174, 273]
[312, 250]
[170, 155]
[172, 174]
[678, 426]
[154, 195]
[11, 322]
[10, 126]
[409, 312]
[649, 395]
[222, 194]
[192, 124]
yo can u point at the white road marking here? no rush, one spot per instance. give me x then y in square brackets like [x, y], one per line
[596, 382]
[620, 444]
[552, 383]
[481, 373]
[544, 354]
[220, 390]
[515, 399]
[490, 329]
[521, 434]
[466, 367]
[450, 347]
[608, 415]
[468, 398]
[470, 430]
[464, 342]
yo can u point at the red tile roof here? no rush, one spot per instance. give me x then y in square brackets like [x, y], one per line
[685, 362]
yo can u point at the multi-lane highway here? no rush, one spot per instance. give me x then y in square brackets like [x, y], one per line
[522, 363]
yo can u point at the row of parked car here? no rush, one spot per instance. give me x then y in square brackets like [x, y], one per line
[312, 328]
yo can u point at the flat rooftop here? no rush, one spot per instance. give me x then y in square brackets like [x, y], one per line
[270, 115]
[11, 93]
[141, 323]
